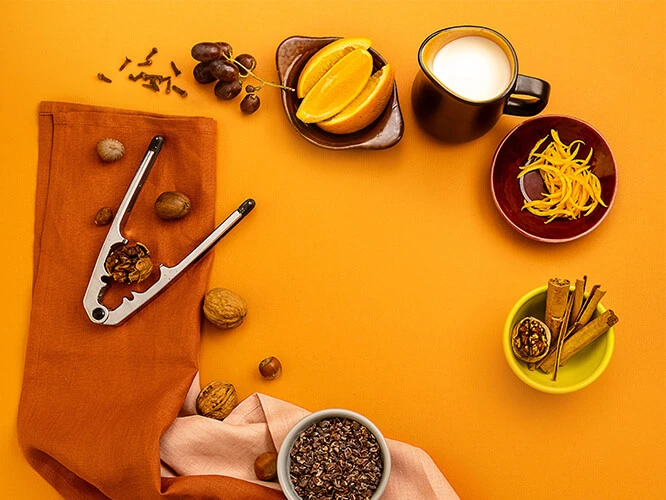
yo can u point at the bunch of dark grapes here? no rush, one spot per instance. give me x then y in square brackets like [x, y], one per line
[217, 63]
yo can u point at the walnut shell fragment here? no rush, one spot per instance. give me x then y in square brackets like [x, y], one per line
[224, 308]
[216, 400]
[129, 263]
[530, 339]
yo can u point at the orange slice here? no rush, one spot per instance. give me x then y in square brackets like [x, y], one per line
[337, 88]
[324, 59]
[366, 107]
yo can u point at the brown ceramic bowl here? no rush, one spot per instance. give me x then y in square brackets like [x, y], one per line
[509, 195]
[292, 55]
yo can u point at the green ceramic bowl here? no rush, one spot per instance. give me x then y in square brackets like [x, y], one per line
[580, 371]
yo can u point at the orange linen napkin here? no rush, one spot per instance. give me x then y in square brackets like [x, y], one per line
[99, 411]
[96, 399]
[199, 445]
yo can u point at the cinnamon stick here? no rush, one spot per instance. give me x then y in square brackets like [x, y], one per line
[589, 307]
[578, 295]
[561, 338]
[580, 339]
[556, 304]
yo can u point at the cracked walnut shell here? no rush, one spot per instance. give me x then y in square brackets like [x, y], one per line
[224, 308]
[216, 400]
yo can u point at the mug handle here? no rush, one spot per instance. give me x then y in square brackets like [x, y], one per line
[528, 86]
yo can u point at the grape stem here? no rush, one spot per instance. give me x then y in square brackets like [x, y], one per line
[249, 72]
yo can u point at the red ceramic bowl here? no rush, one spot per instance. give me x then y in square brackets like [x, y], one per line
[509, 195]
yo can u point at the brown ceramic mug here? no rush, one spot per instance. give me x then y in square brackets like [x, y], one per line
[468, 78]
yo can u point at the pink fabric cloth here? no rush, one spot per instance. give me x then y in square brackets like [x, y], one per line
[196, 445]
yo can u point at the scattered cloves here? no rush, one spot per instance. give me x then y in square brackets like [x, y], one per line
[104, 78]
[147, 62]
[175, 69]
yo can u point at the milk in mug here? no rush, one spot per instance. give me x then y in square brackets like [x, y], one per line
[473, 67]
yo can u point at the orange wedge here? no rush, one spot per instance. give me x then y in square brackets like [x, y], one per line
[324, 59]
[366, 107]
[337, 88]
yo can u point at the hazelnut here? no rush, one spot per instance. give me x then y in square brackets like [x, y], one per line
[216, 400]
[265, 466]
[172, 205]
[270, 368]
[104, 216]
[224, 308]
[110, 149]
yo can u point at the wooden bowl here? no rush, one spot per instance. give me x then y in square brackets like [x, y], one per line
[291, 56]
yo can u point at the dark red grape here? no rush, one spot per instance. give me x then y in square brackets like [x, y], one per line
[206, 51]
[224, 71]
[202, 73]
[227, 90]
[247, 61]
[225, 49]
[250, 104]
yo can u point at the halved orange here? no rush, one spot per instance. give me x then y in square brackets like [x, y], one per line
[366, 107]
[324, 59]
[337, 88]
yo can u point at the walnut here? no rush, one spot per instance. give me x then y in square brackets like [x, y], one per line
[110, 149]
[216, 400]
[224, 308]
[172, 205]
[530, 339]
[129, 263]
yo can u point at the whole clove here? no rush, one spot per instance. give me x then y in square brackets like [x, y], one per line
[147, 62]
[103, 78]
[183, 93]
[137, 77]
[152, 85]
[168, 87]
[153, 51]
[124, 64]
[175, 69]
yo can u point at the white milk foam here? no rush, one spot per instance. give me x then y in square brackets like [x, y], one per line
[473, 67]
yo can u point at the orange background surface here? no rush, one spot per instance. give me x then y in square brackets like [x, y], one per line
[382, 279]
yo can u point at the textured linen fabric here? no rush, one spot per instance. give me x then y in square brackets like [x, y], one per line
[108, 412]
[96, 399]
[199, 445]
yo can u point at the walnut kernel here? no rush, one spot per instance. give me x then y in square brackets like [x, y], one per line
[129, 263]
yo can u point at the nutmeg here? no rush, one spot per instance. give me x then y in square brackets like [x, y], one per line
[265, 466]
[224, 308]
[216, 400]
[104, 216]
[172, 205]
[110, 149]
[270, 368]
